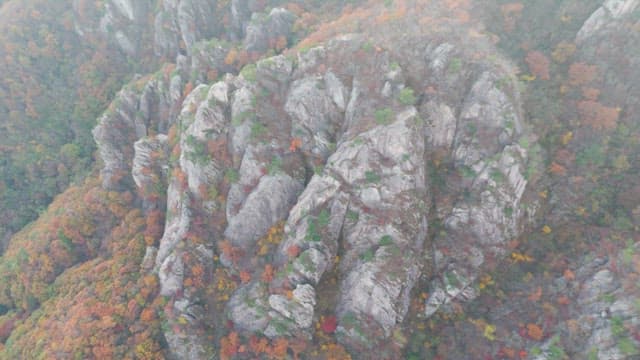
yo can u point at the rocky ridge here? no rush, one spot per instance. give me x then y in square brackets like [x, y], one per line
[166, 28]
[381, 189]
[341, 154]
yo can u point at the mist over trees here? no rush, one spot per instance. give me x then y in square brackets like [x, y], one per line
[305, 179]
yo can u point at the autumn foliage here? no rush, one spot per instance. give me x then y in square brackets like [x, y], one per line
[598, 116]
[54, 86]
[229, 346]
[268, 273]
[260, 347]
[534, 332]
[74, 283]
[581, 73]
[293, 251]
[557, 169]
[563, 51]
[106, 295]
[511, 12]
[538, 64]
[329, 324]
[155, 227]
[69, 234]
[295, 144]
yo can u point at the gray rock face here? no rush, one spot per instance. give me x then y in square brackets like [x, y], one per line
[315, 115]
[160, 103]
[166, 36]
[492, 164]
[331, 143]
[379, 278]
[149, 169]
[196, 172]
[606, 315]
[339, 151]
[172, 28]
[185, 21]
[207, 124]
[208, 59]
[598, 315]
[183, 346]
[273, 74]
[240, 17]
[177, 24]
[264, 30]
[125, 7]
[203, 118]
[122, 21]
[604, 16]
[373, 197]
[377, 282]
[114, 136]
[242, 117]
[247, 307]
[441, 124]
[176, 226]
[269, 203]
[170, 268]
[187, 308]
[248, 177]
[171, 273]
[189, 178]
[131, 116]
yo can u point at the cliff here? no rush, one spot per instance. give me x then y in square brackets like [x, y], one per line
[408, 179]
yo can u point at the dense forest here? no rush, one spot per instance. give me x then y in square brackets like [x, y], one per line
[305, 179]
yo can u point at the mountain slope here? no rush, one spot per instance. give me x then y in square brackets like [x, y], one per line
[411, 179]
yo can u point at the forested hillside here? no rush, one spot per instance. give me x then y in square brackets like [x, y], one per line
[264, 179]
[53, 87]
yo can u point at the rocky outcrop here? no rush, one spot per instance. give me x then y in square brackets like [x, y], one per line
[267, 204]
[488, 166]
[165, 27]
[339, 152]
[168, 28]
[393, 166]
[605, 16]
[134, 114]
[372, 197]
[201, 125]
[124, 22]
[315, 105]
[263, 31]
[608, 311]
[208, 60]
[486, 154]
[240, 17]
[601, 319]
[194, 171]
[352, 199]
[391, 171]
[179, 24]
[195, 174]
[115, 133]
[149, 169]
[207, 124]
